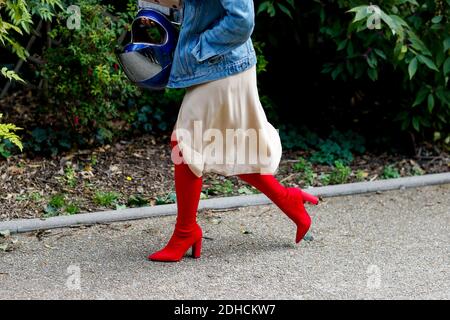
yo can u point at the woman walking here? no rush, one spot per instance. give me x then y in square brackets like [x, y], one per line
[221, 125]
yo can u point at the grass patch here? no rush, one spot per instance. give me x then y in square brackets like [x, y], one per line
[390, 172]
[57, 201]
[105, 199]
[171, 197]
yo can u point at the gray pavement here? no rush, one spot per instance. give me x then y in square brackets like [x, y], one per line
[392, 245]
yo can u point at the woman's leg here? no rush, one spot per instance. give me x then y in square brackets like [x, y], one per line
[187, 232]
[289, 200]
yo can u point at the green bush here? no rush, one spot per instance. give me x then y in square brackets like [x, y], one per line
[390, 172]
[306, 169]
[86, 85]
[17, 21]
[340, 174]
[106, 199]
[90, 94]
[339, 146]
[57, 201]
[405, 43]
[414, 38]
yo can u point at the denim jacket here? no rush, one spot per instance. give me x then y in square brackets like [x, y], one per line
[214, 41]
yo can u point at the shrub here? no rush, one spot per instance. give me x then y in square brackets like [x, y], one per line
[50, 141]
[168, 198]
[340, 173]
[105, 199]
[72, 208]
[339, 146]
[390, 172]
[307, 172]
[86, 85]
[18, 22]
[404, 43]
[220, 188]
[414, 39]
[57, 201]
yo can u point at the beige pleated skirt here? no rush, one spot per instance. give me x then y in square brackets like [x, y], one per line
[222, 128]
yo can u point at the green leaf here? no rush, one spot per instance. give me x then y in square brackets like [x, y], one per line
[430, 102]
[380, 53]
[436, 19]
[412, 68]
[350, 49]
[263, 7]
[338, 70]
[291, 2]
[11, 75]
[417, 44]
[416, 123]
[372, 60]
[428, 62]
[446, 66]
[373, 74]
[421, 95]
[342, 45]
[361, 13]
[443, 95]
[446, 44]
[392, 24]
[245, 190]
[358, 8]
[50, 211]
[271, 10]
[285, 10]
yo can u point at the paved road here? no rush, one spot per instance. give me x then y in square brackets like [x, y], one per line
[390, 245]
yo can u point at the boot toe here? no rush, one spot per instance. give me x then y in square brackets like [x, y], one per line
[162, 257]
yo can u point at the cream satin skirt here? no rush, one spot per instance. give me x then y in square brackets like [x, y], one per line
[222, 128]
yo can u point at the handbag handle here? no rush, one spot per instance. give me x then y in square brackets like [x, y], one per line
[173, 9]
[174, 4]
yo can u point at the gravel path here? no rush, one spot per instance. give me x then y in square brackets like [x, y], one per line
[393, 245]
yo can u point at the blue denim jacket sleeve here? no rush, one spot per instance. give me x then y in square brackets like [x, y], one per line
[231, 31]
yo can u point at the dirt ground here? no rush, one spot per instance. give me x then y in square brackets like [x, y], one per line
[140, 172]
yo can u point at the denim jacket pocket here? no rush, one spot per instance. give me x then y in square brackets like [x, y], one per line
[211, 59]
[215, 59]
[196, 49]
[202, 51]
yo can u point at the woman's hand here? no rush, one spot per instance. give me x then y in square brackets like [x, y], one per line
[233, 30]
[147, 22]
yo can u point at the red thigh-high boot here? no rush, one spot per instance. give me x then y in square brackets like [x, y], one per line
[187, 232]
[289, 200]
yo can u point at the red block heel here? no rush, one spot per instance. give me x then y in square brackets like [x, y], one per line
[179, 244]
[197, 249]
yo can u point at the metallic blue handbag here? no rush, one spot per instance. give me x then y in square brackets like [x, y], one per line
[147, 59]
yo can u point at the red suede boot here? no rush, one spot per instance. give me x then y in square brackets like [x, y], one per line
[187, 232]
[289, 200]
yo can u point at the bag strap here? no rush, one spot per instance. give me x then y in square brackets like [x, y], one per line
[173, 9]
[174, 4]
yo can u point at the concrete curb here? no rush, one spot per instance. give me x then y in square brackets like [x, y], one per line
[26, 225]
